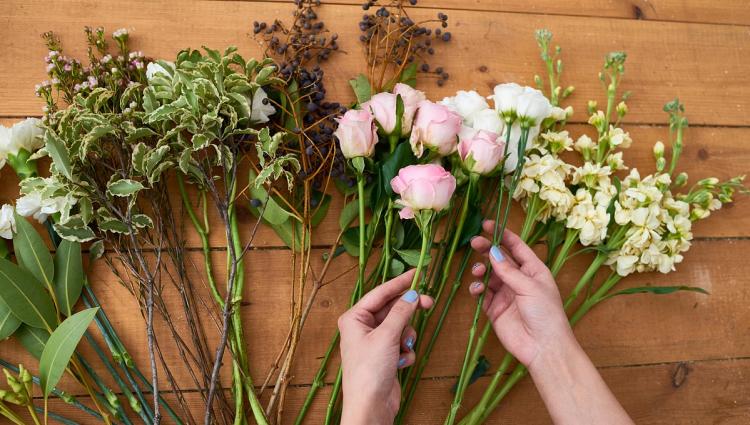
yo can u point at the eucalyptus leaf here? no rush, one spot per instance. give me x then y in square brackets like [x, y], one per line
[68, 275]
[32, 339]
[8, 322]
[26, 297]
[658, 290]
[32, 253]
[60, 347]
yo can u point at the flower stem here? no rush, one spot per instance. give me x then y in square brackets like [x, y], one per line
[571, 236]
[586, 278]
[362, 260]
[424, 251]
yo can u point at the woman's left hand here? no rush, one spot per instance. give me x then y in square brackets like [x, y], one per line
[376, 341]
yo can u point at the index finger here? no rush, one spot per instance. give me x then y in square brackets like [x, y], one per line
[521, 252]
[379, 297]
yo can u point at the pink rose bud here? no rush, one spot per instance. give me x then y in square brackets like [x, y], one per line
[423, 187]
[356, 133]
[480, 151]
[436, 128]
[411, 98]
[383, 108]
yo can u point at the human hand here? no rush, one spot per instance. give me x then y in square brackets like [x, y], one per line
[522, 302]
[376, 341]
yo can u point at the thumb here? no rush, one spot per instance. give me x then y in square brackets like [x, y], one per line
[400, 315]
[507, 271]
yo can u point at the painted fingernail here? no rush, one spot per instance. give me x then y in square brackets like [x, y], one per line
[401, 361]
[410, 296]
[476, 266]
[476, 285]
[496, 254]
[410, 342]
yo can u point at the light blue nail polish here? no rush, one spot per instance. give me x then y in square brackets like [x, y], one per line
[497, 255]
[476, 285]
[401, 362]
[410, 343]
[410, 296]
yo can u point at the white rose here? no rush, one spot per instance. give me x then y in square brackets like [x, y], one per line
[467, 104]
[261, 111]
[515, 137]
[505, 98]
[488, 120]
[532, 107]
[27, 134]
[34, 205]
[7, 222]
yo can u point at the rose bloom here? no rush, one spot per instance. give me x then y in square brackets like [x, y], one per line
[411, 98]
[356, 133]
[533, 106]
[423, 187]
[27, 135]
[383, 109]
[436, 128]
[488, 120]
[467, 104]
[506, 97]
[479, 150]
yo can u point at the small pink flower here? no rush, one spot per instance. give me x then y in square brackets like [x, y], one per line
[356, 133]
[436, 128]
[383, 108]
[423, 187]
[481, 151]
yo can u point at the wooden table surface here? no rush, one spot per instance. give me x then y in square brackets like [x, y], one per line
[676, 359]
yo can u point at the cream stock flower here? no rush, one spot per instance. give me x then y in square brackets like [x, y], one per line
[7, 222]
[591, 174]
[619, 138]
[590, 218]
[557, 141]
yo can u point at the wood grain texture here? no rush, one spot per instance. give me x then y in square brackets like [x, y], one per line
[674, 359]
[725, 12]
[704, 65]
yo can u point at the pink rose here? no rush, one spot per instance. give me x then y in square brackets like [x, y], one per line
[481, 151]
[356, 133]
[383, 108]
[411, 98]
[423, 187]
[436, 128]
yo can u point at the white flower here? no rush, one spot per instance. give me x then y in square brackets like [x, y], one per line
[467, 104]
[557, 142]
[583, 144]
[615, 161]
[7, 222]
[34, 204]
[515, 137]
[27, 135]
[505, 98]
[625, 264]
[488, 120]
[619, 138]
[154, 68]
[261, 108]
[591, 174]
[532, 107]
[559, 114]
[590, 218]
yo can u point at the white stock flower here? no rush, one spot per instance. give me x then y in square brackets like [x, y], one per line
[7, 222]
[619, 138]
[557, 142]
[261, 108]
[467, 104]
[545, 175]
[583, 143]
[588, 217]
[615, 161]
[27, 135]
[591, 174]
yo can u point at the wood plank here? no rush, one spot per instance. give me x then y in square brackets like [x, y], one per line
[700, 11]
[709, 151]
[639, 329]
[666, 59]
[691, 393]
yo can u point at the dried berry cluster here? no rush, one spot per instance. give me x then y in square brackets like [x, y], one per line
[299, 49]
[69, 77]
[392, 38]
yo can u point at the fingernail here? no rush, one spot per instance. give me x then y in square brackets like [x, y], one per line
[473, 237]
[476, 266]
[401, 362]
[410, 296]
[476, 285]
[410, 342]
[496, 254]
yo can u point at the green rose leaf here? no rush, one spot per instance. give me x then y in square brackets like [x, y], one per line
[411, 257]
[124, 187]
[60, 347]
[361, 86]
[348, 214]
[68, 275]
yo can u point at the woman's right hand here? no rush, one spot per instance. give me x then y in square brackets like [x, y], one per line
[522, 301]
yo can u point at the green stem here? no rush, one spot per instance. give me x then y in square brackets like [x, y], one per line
[318, 380]
[387, 241]
[362, 260]
[571, 236]
[599, 260]
[425, 250]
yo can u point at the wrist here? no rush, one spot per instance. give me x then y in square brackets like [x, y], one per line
[558, 354]
[363, 411]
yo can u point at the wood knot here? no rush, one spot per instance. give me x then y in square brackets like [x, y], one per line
[679, 376]
[483, 68]
[638, 12]
[702, 154]
[325, 303]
